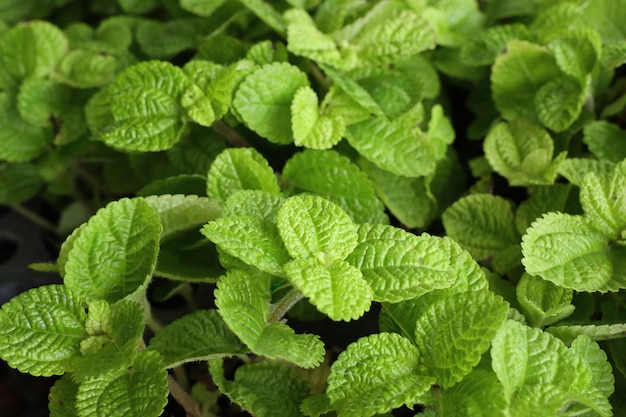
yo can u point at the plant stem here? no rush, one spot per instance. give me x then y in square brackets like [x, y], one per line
[284, 305]
[324, 81]
[231, 136]
[154, 324]
[190, 405]
[34, 217]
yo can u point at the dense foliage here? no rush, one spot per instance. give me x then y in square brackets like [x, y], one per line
[457, 166]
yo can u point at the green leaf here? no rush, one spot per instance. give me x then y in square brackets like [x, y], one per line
[401, 266]
[310, 128]
[605, 140]
[254, 203]
[253, 240]
[62, 397]
[517, 75]
[575, 169]
[198, 336]
[84, 68]
[359, 95]
[264, 389]
[19, 183]
[522, 151]
[201, 7]
[311, 226]
[39, 101]
[597, 332]
[140, 390]
[483, 224]
[116, 251]
[41, 329]
[145, 104]
[163, 40]
[337, 289]
[541, 200]
[568, 251]
[488, 44]
[238, 169]
[543, 302]
[376, 374]
[185, 184]
[454, 332]
[597, 360]
[559, 102]
[479, 394]
[264, 98]
[266, 12]
[243, 303]
[20, 141]
[334, 177]
[315, 405]
[30, 49]
[604, 202]
[577, 52]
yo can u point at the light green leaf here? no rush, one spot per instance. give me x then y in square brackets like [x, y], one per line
[454, 332]
[311, 226]
[360, 97]
[310, 128]
[604, 201]
[316, 405]
[20, 141]
[334, 177]
[62, 397]
[264, 98]
[238, 169]
[605, 140]
[41, 330]
[253, 240]
[541, 200]
[483, 224]
[483, 48]
[19, 183]
[522, 152]
[39, 101]
[543, 302]
[597, 360]
[266, 52]
[201, 7]
[243, 303]
[182, 212]
[337, 289]
[265, 389]
[376, 374]
[569, 252]
[198, 106]
[479, 394]
[266, 12]
[198, 336]
[30, 49]
[116, 251]
[577, 52]
[517, 75]
[84, 68]
[404, 266]
[575, 169]
[559, 102]
[254, 203]
[145, 103]
[597, 332]
[139, 391]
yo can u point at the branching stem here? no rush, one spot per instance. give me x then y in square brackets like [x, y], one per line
[183, 398]
[231, 135]
[284, 305]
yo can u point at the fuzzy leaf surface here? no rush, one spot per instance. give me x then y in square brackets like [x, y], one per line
[264, 99]
[62, 397]
[334, 177]
[401, 266]
[305, 39]
[376, 374]
[199, 336]
[20, 141]
[599, 365]
[604, 201]
[310, 128]
[453, 333]
[479, 394]
[115, 252]
[41, 330]
[139, 391]
[543, 302]
[597, 332]
[336, 289]
[240, 169]
[311, 226]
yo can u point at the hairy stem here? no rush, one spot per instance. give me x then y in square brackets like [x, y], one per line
[34, 217]
[183, 398]
[231, 136]
[284, 305]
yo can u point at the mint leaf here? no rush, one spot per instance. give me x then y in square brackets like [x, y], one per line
[41, 329]
[559, 102]
[243, 303]
[401, 266]
[254, 203]
[454, 332]
[337, 289]
[240, 169]
[83, 68]
[62, 397]
[198, 336]
[201, 7]
[140, 390]
[376, 374]
[145, 103]
[311, 226]
[310, 128]
[568, 251]
[543, 302]
[598, 332]
[19, 183]
[605, 140]
[253, 240]
[267, 14]
[484, 48]
[116, 251]
[39, 100]
[478, 394]
[575, 169]
[522, 152]
[334, 177]
[604, 202]
[577, 52]
[264, 98]
[542, 200]
[264, 389]
[599, 365]
[30, 49]
[483, 224]
[361, 98]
